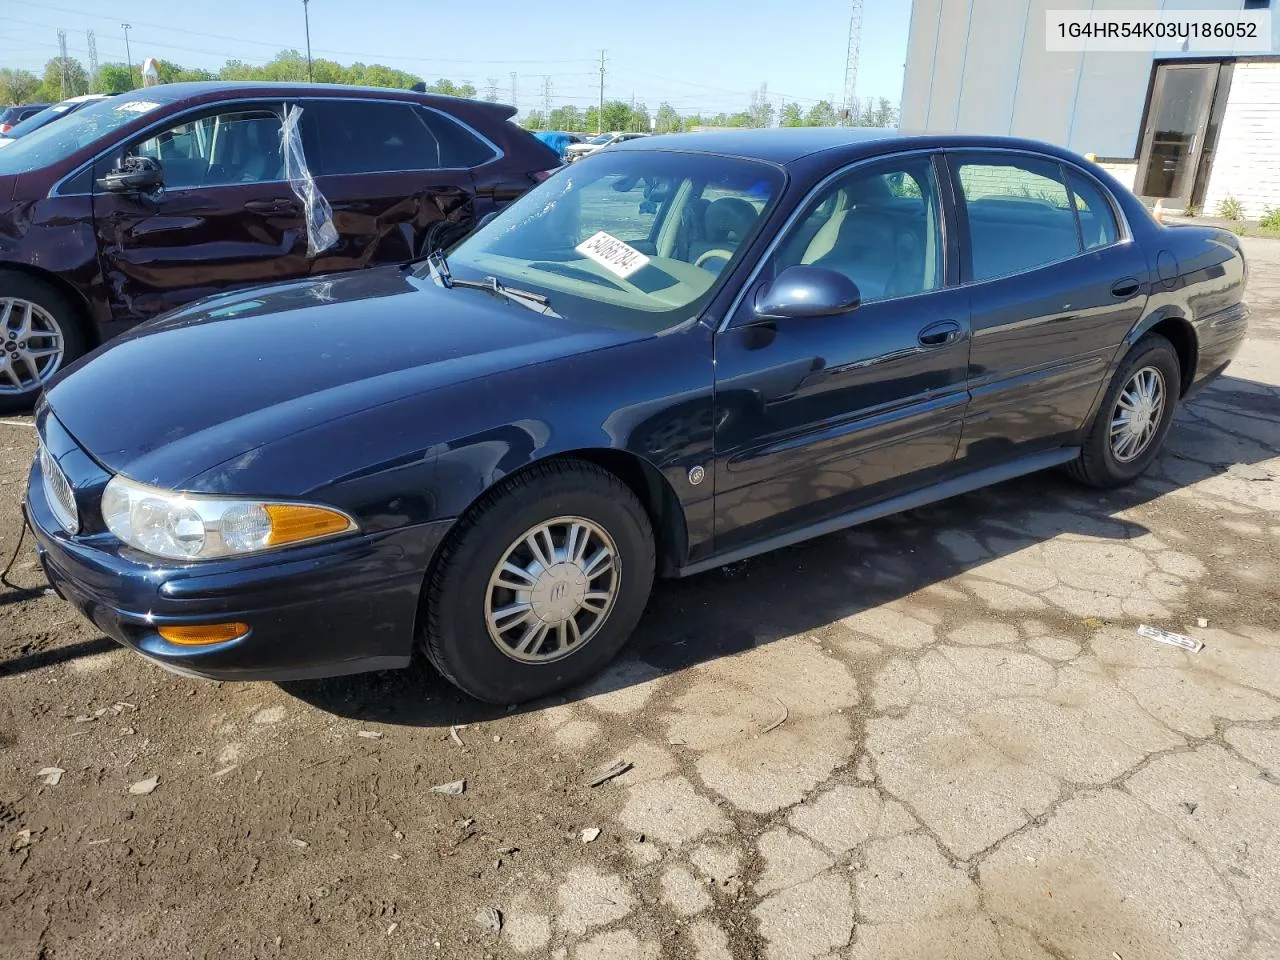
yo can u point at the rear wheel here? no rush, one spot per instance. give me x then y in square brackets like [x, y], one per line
[40, 333]
[540, 584]
[1134, 418]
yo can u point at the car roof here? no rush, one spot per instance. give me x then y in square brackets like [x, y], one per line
[785, 145]
[211, 89]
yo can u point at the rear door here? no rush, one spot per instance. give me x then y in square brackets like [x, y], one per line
[816, 416]
[397, 175]
[1056, 284]
[225, 219]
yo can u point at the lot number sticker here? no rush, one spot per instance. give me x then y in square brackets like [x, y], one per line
[620, 259]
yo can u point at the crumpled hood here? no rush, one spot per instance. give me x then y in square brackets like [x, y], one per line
[177, 396]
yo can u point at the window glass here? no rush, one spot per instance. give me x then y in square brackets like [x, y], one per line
[615, 204]
[1019, 215]
[96, 122]
[459, 147]
[371, 136]
[238, 146]
[881, 227]
[633, 239]
[1097, 221]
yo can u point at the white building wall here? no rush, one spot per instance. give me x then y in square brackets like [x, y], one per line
[1247, 162]
[980, 66]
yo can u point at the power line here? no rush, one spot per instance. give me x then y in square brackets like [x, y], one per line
[270, 43]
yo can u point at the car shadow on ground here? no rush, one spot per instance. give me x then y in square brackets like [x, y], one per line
[815, 584]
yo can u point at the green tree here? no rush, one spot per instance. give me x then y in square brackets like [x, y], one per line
[617, 115]
[170, 72]
[638, 119]
[116, 78]
[760, 111]
[57, 84]
[535, 121]
[821, 114]
[451, 89]
[17, 86]
[566, 118]
[791, 116]
[667, 120]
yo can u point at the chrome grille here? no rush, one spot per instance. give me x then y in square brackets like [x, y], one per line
[58, 492]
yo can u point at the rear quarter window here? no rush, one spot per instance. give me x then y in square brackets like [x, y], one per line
[459, 146]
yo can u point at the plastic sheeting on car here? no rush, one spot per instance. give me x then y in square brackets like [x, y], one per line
[321, 233]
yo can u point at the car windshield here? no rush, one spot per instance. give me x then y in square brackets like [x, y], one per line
[629, 238]
[54, 141]
[603, 138]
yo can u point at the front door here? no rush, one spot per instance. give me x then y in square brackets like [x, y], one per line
[1055, 287]
[816, 416]
[226, 218]
[396, 175]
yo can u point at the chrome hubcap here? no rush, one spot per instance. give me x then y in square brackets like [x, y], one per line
[552, 590]
[1137, 414]
[32, 344]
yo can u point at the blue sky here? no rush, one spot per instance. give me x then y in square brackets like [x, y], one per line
[695, 54]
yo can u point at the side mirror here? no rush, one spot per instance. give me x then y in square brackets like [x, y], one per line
[136, 175]
[807, 291]
[485, 220]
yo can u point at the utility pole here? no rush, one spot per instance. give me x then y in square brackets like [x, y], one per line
[127, 54]
[513, 89]
[306, 19]
[600, 110]
[93, 61]
[546, 98]
[62, 62]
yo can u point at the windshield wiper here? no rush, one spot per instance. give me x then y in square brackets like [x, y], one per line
[440, 267]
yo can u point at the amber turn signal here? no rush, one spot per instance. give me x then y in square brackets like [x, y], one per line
[293, 522]
[195, 635]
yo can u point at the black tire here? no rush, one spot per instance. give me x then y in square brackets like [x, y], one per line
[64, 313]
[456, 637]
[1097, 465]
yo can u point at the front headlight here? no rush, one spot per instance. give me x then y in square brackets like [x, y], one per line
[183, 526]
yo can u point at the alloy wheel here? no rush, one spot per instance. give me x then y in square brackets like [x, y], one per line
[33, 346]
[552, 590]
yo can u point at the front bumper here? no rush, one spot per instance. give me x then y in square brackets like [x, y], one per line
[339, 607]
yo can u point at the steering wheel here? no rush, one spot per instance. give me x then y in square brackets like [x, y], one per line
[724, 254]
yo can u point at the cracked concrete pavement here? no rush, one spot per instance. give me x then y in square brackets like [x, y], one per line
[937, 736]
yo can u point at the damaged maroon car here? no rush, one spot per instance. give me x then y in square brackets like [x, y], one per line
[155, 198]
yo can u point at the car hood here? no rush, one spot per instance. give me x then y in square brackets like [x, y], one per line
[183, 393]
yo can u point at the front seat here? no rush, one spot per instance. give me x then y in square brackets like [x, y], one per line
[259, 150]
[861, 241]
[726, 223]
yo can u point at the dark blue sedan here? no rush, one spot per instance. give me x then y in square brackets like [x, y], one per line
[679, 353]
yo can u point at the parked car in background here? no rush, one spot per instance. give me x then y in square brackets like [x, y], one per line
[50, 114]
[10, 117]
[558, 140]
[135, 205]
[689, 351]
[576, 151]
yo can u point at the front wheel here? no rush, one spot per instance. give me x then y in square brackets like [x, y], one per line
[40, 333]
[540, 584]
[1134, 417]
